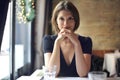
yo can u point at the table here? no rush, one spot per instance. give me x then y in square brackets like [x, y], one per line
[109, 63]
[60, 78]
[78, 78]
[37, 75]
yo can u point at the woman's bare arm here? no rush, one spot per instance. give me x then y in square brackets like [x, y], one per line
[53, 58]
[83, 62]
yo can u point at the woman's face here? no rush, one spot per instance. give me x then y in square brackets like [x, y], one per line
[65, 20]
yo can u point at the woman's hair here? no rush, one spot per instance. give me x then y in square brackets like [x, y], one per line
[65, 5]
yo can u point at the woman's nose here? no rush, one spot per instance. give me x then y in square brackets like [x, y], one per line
[65, 23]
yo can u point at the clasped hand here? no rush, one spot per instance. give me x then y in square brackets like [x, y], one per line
[68, 34]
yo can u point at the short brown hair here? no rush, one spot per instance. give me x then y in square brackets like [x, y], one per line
[65, 5]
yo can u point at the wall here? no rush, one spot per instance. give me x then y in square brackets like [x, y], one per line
[100, 19]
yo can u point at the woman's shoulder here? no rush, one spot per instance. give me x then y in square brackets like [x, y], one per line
[53, 37]
[84, 38]
[86, 43]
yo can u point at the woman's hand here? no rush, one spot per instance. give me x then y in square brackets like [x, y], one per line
[61, 36]
[66, 33]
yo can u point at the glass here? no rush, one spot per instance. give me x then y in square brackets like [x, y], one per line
[97, 75]
[49, 72]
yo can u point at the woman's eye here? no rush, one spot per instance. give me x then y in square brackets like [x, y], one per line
[61, 18]
[70, 18]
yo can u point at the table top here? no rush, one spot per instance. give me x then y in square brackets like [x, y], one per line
[37, 75]
[79, 78]
[60, 78]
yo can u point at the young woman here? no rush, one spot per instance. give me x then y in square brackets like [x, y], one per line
[70, 52]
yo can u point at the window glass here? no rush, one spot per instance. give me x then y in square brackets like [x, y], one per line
[4, 54]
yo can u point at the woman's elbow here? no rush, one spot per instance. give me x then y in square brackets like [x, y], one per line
[83, 74]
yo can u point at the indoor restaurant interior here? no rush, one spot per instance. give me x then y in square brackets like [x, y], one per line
[24, 23]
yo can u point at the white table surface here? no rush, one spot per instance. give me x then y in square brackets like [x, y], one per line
[60, 78]
[110, 62]
[37, 75]
[79, 78]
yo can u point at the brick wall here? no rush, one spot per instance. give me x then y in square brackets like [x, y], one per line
[100, 19]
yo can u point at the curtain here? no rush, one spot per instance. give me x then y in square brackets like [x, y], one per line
[3, 14]
[40, 26]
[37, 34]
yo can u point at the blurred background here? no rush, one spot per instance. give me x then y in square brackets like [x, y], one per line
[23, 23]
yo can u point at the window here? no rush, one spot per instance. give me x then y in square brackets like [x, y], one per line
[4, 55]
[20, 59]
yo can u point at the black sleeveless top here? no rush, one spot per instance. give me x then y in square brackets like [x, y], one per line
[67, 70]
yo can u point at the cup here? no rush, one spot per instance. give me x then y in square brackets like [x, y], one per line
[49, 72]
[97, 75]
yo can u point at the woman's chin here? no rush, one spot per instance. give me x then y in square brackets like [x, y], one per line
[65, 38]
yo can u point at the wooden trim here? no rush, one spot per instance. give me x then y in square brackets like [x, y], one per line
[101, 53]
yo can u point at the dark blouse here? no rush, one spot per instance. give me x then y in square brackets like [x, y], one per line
[67, 70]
